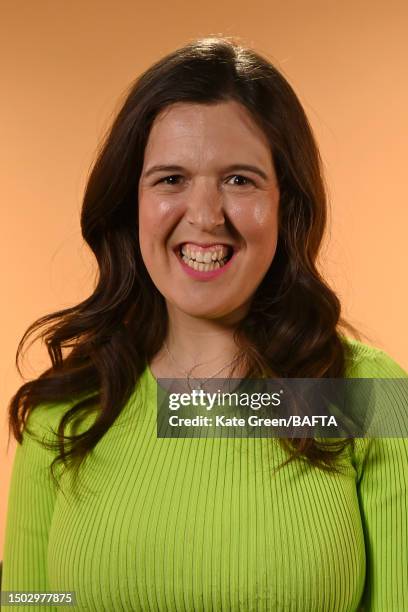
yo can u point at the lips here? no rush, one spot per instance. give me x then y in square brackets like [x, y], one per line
[205, 275]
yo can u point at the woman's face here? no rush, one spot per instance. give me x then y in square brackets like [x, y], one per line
[208, 208]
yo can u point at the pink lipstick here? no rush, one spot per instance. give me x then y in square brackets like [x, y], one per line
[202, 274]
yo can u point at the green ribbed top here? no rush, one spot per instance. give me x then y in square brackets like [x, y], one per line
[203, 525]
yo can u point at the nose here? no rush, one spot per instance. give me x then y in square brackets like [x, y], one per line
[205, 206]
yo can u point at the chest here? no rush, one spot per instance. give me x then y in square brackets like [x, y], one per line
[206, 525]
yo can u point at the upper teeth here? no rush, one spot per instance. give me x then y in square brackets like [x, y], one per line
[205, 255]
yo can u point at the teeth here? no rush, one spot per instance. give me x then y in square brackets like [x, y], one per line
[205, 260]
[207, 255]
[203, 267]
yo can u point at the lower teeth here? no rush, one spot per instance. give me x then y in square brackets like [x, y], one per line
[205, 267]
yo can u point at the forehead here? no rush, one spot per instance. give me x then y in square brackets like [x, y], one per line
[207, 131]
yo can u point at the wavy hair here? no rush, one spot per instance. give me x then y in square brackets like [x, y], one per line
[99, 348]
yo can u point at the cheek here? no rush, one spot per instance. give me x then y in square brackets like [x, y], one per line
[156, 217]
[257, 220]
[265, 215]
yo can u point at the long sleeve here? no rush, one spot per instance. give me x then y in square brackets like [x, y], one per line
[30, 508]
[383, 499]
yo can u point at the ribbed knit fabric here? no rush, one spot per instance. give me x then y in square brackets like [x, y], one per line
[203, 524]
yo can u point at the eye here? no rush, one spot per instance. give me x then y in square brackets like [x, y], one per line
[247, 181]
[170, 180]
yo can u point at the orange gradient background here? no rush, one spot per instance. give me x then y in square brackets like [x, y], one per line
[65, 68]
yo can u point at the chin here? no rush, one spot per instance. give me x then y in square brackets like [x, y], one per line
[204, 311]
[200, 312]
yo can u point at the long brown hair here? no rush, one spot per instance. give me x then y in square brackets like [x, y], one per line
[99, 348]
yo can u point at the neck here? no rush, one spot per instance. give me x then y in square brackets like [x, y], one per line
[192, 341]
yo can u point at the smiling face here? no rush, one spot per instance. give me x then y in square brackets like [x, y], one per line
[208, 190]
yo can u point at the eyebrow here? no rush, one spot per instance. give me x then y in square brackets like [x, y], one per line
[230, 168]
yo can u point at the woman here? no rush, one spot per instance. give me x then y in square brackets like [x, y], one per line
[205, 211]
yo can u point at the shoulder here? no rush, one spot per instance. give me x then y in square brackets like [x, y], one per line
[365, 361]
[39, 445]
[38, 448]
[44, 418]
[41, 442]
[43, 421]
